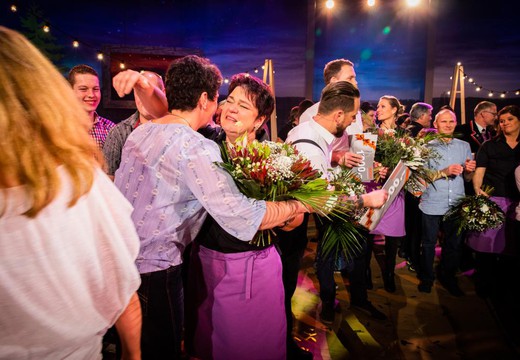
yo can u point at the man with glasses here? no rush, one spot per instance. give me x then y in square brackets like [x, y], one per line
[481, 128]
[475, 132]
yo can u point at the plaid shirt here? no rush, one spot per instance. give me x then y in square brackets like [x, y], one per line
[116, 139]
[100, 129]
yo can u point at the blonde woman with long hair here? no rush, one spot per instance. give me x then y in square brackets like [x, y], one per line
[67, 242]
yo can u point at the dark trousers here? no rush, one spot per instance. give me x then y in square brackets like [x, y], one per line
[391, 245]
[356, 272]
[292, 245]
[449, 262]
[411, 243]
[162, 305]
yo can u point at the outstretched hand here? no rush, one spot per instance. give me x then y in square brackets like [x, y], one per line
[125, 81]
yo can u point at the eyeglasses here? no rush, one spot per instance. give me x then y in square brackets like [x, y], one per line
[490, 112]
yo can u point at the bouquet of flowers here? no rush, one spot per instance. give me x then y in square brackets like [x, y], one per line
[343, 237]
[276, 171]
[476, 213]
[393, 146]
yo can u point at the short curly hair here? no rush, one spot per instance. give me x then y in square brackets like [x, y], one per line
[187, 78]
[258, 92]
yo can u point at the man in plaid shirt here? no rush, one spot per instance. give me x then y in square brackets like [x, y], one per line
[85, 84]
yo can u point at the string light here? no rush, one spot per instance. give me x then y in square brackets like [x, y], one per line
[122, 65]
[256, 70]
[75, 43]
[226, 81]
[46, 28]
[491, 92]
[14, 8]
[100, 56]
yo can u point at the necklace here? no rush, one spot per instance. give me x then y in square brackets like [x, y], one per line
[183, 119]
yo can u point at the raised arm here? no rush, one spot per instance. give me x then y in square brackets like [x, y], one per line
[153, 98]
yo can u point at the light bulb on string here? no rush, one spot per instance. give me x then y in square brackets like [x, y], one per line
[75, 43]
[490, 94]
[100, 56]
[122, 65]
[46, 28]
[226, 80]
[14, 8]
[503, 95]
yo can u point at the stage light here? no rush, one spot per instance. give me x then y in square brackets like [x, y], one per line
[413, 3]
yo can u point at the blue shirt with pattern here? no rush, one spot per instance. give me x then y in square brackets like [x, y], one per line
[169, 174]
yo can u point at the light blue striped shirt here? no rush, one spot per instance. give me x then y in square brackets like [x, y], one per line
[437, 199]
[168, 173]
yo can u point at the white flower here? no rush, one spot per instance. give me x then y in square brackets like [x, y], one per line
[484, 208]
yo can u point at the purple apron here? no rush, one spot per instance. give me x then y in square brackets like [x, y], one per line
[500, 240]
[240, 312]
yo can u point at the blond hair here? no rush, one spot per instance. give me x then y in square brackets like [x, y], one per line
[42, 126]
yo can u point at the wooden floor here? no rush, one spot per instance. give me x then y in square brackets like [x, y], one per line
[419, 325]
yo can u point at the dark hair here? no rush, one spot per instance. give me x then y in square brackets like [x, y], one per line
[258, 92]
[402, 119]
[513, 110]
[302, 106]
[338, 95]
[80, 69]
[187, 78]
[332, 68]
[366, 107]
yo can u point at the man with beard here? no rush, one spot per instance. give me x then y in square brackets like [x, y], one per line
[338, 107]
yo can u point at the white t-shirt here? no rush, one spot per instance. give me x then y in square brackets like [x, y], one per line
[66, 275]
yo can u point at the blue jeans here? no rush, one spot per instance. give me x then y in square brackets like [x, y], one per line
[162, 303]
[449, 260]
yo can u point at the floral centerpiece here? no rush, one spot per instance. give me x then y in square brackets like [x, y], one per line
[277, 171]
[476, 213]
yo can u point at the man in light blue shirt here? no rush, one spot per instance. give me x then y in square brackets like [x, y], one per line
[455, 163]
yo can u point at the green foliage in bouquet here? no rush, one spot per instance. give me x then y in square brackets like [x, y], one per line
[476, 213]
[393, 146]
[276, 171]
[343, 237]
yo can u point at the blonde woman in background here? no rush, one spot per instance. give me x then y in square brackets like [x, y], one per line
[67, 242]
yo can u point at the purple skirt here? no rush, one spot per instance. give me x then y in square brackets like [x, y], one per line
[392, 222]
[501, 240]
[240, 310]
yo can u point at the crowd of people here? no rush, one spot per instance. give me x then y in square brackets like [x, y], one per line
[133, 227]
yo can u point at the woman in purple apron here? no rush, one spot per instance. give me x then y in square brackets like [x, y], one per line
[497, 160]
